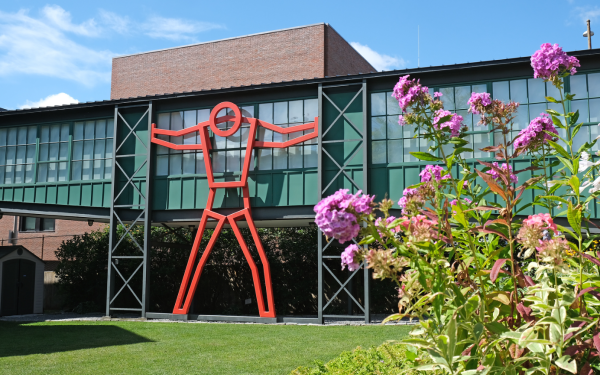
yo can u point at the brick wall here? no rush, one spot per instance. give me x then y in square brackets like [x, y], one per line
[284, 55]
[45, 244]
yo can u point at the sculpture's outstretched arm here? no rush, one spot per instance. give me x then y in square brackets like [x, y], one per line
[176, 133]
[293, 129]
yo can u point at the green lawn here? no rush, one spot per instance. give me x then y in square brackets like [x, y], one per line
[175, 348]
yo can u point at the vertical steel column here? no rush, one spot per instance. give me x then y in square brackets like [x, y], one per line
[110, 282]
[147, 216]
[320, 184]
[367, 282]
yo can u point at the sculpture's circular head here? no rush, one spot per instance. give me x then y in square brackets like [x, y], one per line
[237, 120]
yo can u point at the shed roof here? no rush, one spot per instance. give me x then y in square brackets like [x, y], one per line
[6, 250]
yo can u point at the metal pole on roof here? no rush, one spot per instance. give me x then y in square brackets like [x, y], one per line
[589, 33]
[418, 46]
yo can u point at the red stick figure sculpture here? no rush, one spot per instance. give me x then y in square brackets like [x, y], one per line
[187, 290]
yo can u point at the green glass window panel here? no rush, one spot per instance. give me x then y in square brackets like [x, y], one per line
[22, 136]
[12, 137]
[175, 164]
[247, 111]
[265, 112]
[45, 138]
[21, 152]
[265, 161]
[163, 121]
[100, 129]
[29, 173]
[220, 142]
[77, 131]
[409, 131]
[63, 152]
[296, 157]
[280, 158]
[43, 152]
[410, 145]
[3, 135]
[200, 166]
[480, 141]
[30, 154]
[280, 113]
[594, 110]
[88, 150]
[9, 173]
[311, 110]
[3, 156]
[535, 110]
[537, 90]
[579, 86]
[75, 170]
[311, 157]
[42, 173]
[378, 126]
[393, 108]
[394, 130]
[11, 152]
[110, 128]
[233, 141]
[552, 91]
[202, 115]
[53, 151]
[98, 169]
[177, 120]
[518, 91]
[86, 170]
[32, 134]
[378, 152]
[521, 119]
[89, 130]
[448, 97]
[557, 107]
[594, 85]
[107, 169]
[77, 150]
[467, 118]
[162, 165]
[462, 93]
[189, 119]
[582, 107]
[500, 90]
[99, 148]
[581, 137]
[278, 137]
[296, 114]
[378, 104]
[245, 133]
[28, 224]
[395, 152]
[47, 224]
[233, 160]
[19, 174]
[2, 175]
[479, 88]
[265, 135]
[189, 163]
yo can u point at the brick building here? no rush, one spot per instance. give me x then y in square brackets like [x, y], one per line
[306, 52]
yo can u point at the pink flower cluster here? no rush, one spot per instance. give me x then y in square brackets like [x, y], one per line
[454, 123]
[409, 91]
[455, 201]
[544, 221]
[419, 227]
[533, 229]
[550, 61]
[407, 193]
[433, 171]
[535, 134]
[478, 102]
[504, 167]
[335, 217]
[348, 258]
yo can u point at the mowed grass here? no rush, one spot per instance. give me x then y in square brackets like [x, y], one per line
[177, 348]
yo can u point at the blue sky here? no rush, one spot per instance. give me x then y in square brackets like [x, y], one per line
[58, 51]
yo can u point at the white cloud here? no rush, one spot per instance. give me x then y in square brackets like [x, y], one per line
[62, 19]
[176, 28]
[40, 47]
[51, 100]
[121, 25]
[379, 61]
[587, 13]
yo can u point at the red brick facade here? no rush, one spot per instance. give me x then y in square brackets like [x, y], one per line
[44, 244]
[292, 54]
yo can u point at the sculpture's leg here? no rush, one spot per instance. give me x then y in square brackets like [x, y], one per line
[263, 257]
[183, 289]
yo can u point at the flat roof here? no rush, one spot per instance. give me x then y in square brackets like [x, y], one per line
[221, 40]
[329, 80]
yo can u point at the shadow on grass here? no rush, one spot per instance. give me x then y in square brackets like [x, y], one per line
[19, 339]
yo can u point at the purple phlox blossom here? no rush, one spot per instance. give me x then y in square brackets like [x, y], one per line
[454, 123]
[409, 91]
[333, 218]
[504, 167]
[479, 101]
[550, 61]
[454, 202]
[401, 120]
[348, 258]
[388, 221]
[431, 171]
[407, 193]
[437, 95]
[535, 133]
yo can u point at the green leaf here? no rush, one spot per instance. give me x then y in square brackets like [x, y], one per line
[458, 141]
[574, 183]
[574, 118]
[554, 113]
[424, 156]
[496, 327]
[574, 218]
[566, 162]
[564, 363]
[558, 149]
[557, 122]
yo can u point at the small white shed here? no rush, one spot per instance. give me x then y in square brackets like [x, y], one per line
[21, 281]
